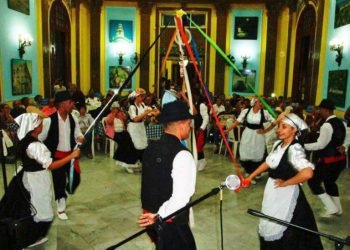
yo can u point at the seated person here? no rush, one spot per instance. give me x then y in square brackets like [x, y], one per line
[50, 108]
[115, 128]
[85, 120]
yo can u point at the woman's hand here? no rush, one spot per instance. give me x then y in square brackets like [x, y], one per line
[245, 183]
[147, 219]
[279, 183]
[260, 131]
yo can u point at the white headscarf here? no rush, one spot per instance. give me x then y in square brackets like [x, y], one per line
[27, 122]
[253, 101]
[294, 121]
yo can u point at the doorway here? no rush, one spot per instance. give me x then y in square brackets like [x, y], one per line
[60, 40]
[303, 89]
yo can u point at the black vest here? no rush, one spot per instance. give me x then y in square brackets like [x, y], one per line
[157, 165]
[29, 165]
[285, 169]
[53, 135]
[337, 139]
[255, 126]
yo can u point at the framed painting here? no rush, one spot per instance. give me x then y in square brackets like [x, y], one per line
[246, 28]
[342, 13]
[337, 84]
[21, 76]
[244, 84]
[19, 5]
[118, 75]
[120, 30]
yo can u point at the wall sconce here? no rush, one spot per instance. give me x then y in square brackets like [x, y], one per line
[338, 47]
[22, 43]
[120, 58]
[135, 58]
[245, 61]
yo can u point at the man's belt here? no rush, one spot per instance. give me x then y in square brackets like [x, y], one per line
[333, 159]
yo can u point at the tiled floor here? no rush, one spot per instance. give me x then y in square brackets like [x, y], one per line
[105, 208]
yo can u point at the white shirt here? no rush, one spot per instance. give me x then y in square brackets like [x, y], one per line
[203, 110]
[140, 110]
[218, 109]
[184, 182]
[64, 132]
[326, 132]
[85, 121]
[92, 103]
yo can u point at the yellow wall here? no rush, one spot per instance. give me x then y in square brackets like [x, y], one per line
[281, 52]
[84, 44]
[73, 45]
[40, 46]
[292, 55]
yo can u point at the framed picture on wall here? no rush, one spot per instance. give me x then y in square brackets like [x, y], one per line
[342, 13]
[120, 30]
[118, 75]
[21, 76]
[245, 82]
[337, 84]
[19, 5]
[246, 28]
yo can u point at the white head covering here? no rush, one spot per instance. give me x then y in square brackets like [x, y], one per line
[27, 122]
[253, 101]
[115, 105]
[294, 121]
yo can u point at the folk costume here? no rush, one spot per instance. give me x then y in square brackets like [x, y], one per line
[28, 199]
[287, 203]
[331, 163]
[168, 182]
[252, 146]
[60, 138]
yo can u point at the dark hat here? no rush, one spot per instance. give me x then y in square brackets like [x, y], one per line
[174, 111]
[327, 104]
[62, 96]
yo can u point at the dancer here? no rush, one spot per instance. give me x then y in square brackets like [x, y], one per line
[201, 121]
[252, 147]
[60, 134]
[35, 178]
[283, 196]
[168, 180]
[332, 162]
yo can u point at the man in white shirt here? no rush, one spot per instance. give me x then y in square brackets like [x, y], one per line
[60, 134]
[168, 180]
[332, 162]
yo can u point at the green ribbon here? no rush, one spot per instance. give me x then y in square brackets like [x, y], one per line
[221, 52]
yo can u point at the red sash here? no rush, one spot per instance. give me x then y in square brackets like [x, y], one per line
[61, 155]
[333, 159]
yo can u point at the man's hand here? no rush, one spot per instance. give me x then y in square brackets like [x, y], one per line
[147, 219]
[80, 139]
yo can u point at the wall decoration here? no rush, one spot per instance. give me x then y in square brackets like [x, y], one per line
[120, 30]
[342, 13]
[240, 83]
[246, 28]
[21, 76]
[19, 5]
[337, 84]
[117, 76]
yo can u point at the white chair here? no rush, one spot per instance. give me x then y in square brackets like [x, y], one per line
[112, 144]
[234, 137]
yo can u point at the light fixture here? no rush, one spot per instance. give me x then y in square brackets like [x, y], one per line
[245, 61]
[337, 45]
[120, 58]
[135, 58]
[23, 41]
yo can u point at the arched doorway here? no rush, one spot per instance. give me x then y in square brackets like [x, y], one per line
[60, 40]
[304, 85]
